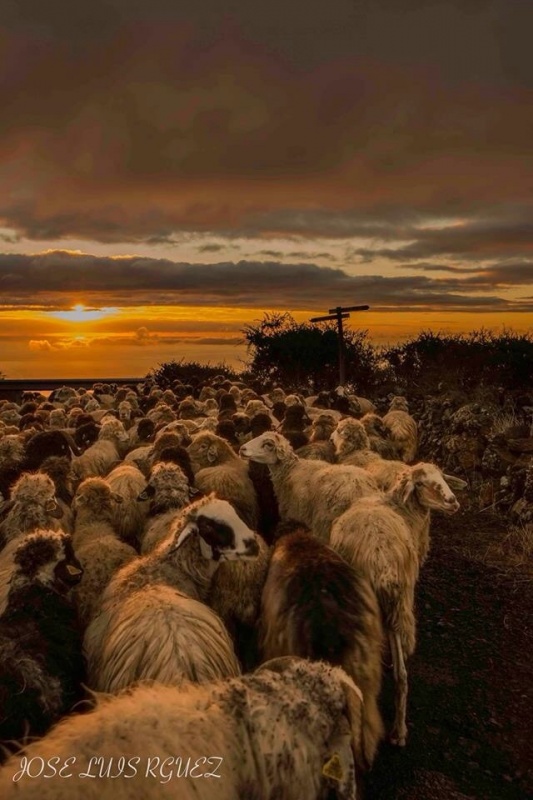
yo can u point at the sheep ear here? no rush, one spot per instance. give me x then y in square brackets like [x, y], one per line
[354, 714]
[338, 769]
[212, 453]
[279, 664]
[402, 490]
[455, 483]
[187, 531]
[147, 493]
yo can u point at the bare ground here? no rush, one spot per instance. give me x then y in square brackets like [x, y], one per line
[470, 711]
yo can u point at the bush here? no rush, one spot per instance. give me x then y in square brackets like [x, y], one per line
[469, 362]
[306, 355]
[188, 372]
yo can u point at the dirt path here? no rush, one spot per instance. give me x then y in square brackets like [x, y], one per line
[470, 710]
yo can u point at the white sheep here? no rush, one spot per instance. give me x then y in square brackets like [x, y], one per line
[418, 490]
[387, 538]
[374, 539]
[291, 730]
[403, 429]
[310, 491]
[153, 623]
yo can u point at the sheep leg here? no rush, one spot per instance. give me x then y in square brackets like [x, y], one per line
[398, 734]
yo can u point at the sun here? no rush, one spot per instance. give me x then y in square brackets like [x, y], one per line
[80, 313]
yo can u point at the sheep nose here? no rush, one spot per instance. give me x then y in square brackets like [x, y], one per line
[453, 505]
[252, 547]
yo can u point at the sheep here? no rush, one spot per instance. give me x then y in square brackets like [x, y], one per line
[417, 491]
[373, 538]
[352, 444]
[41, 665]
[104, 454]
[33, 505]
[387, 538]
[168, 491]
[153, 623]
[141, 433]
[315, 605]
[97, 544]
[86, 433]
[379, 436]
[58, 469]
[174, 439]
[11, 462]
[235, 595]
[310, 491]
[49, 443]
[290, 730]
[403, 429]
[219, 469]
[129, 517]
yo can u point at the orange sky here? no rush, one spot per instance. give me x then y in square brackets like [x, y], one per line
[196, 164]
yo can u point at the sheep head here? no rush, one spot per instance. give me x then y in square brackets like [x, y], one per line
[428, 483]
[95, 496]
[223, 534]
[47, 557]
[269, 448]
[207, 450]
[348, 436]
[336, 691]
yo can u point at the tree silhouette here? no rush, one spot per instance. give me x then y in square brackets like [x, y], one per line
[298, 355]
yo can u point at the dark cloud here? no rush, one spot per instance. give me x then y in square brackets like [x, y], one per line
[129, 121]
[53, 276]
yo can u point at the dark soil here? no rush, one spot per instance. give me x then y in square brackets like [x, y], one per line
[470, 709]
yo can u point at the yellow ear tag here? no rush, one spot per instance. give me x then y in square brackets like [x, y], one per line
[333, 768]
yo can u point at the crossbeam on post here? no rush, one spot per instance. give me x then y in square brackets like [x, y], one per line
[331, 316]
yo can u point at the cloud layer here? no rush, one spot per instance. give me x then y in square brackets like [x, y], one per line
[126, 121]
[53, 280]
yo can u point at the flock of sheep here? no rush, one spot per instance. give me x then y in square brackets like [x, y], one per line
[200, 587]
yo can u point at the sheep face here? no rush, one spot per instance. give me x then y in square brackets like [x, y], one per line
[223, 535]
[269, 448]
[207, 450]
[431, 489]
[47, 557]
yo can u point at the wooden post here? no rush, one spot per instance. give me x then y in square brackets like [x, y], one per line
[339, 313]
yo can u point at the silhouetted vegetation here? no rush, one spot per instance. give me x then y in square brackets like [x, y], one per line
[189, 372]
[305, 355]
[462, 361]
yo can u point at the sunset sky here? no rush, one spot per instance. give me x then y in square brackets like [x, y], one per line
[169, 170]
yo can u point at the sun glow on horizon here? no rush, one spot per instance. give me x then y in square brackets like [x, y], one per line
[79, 313]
